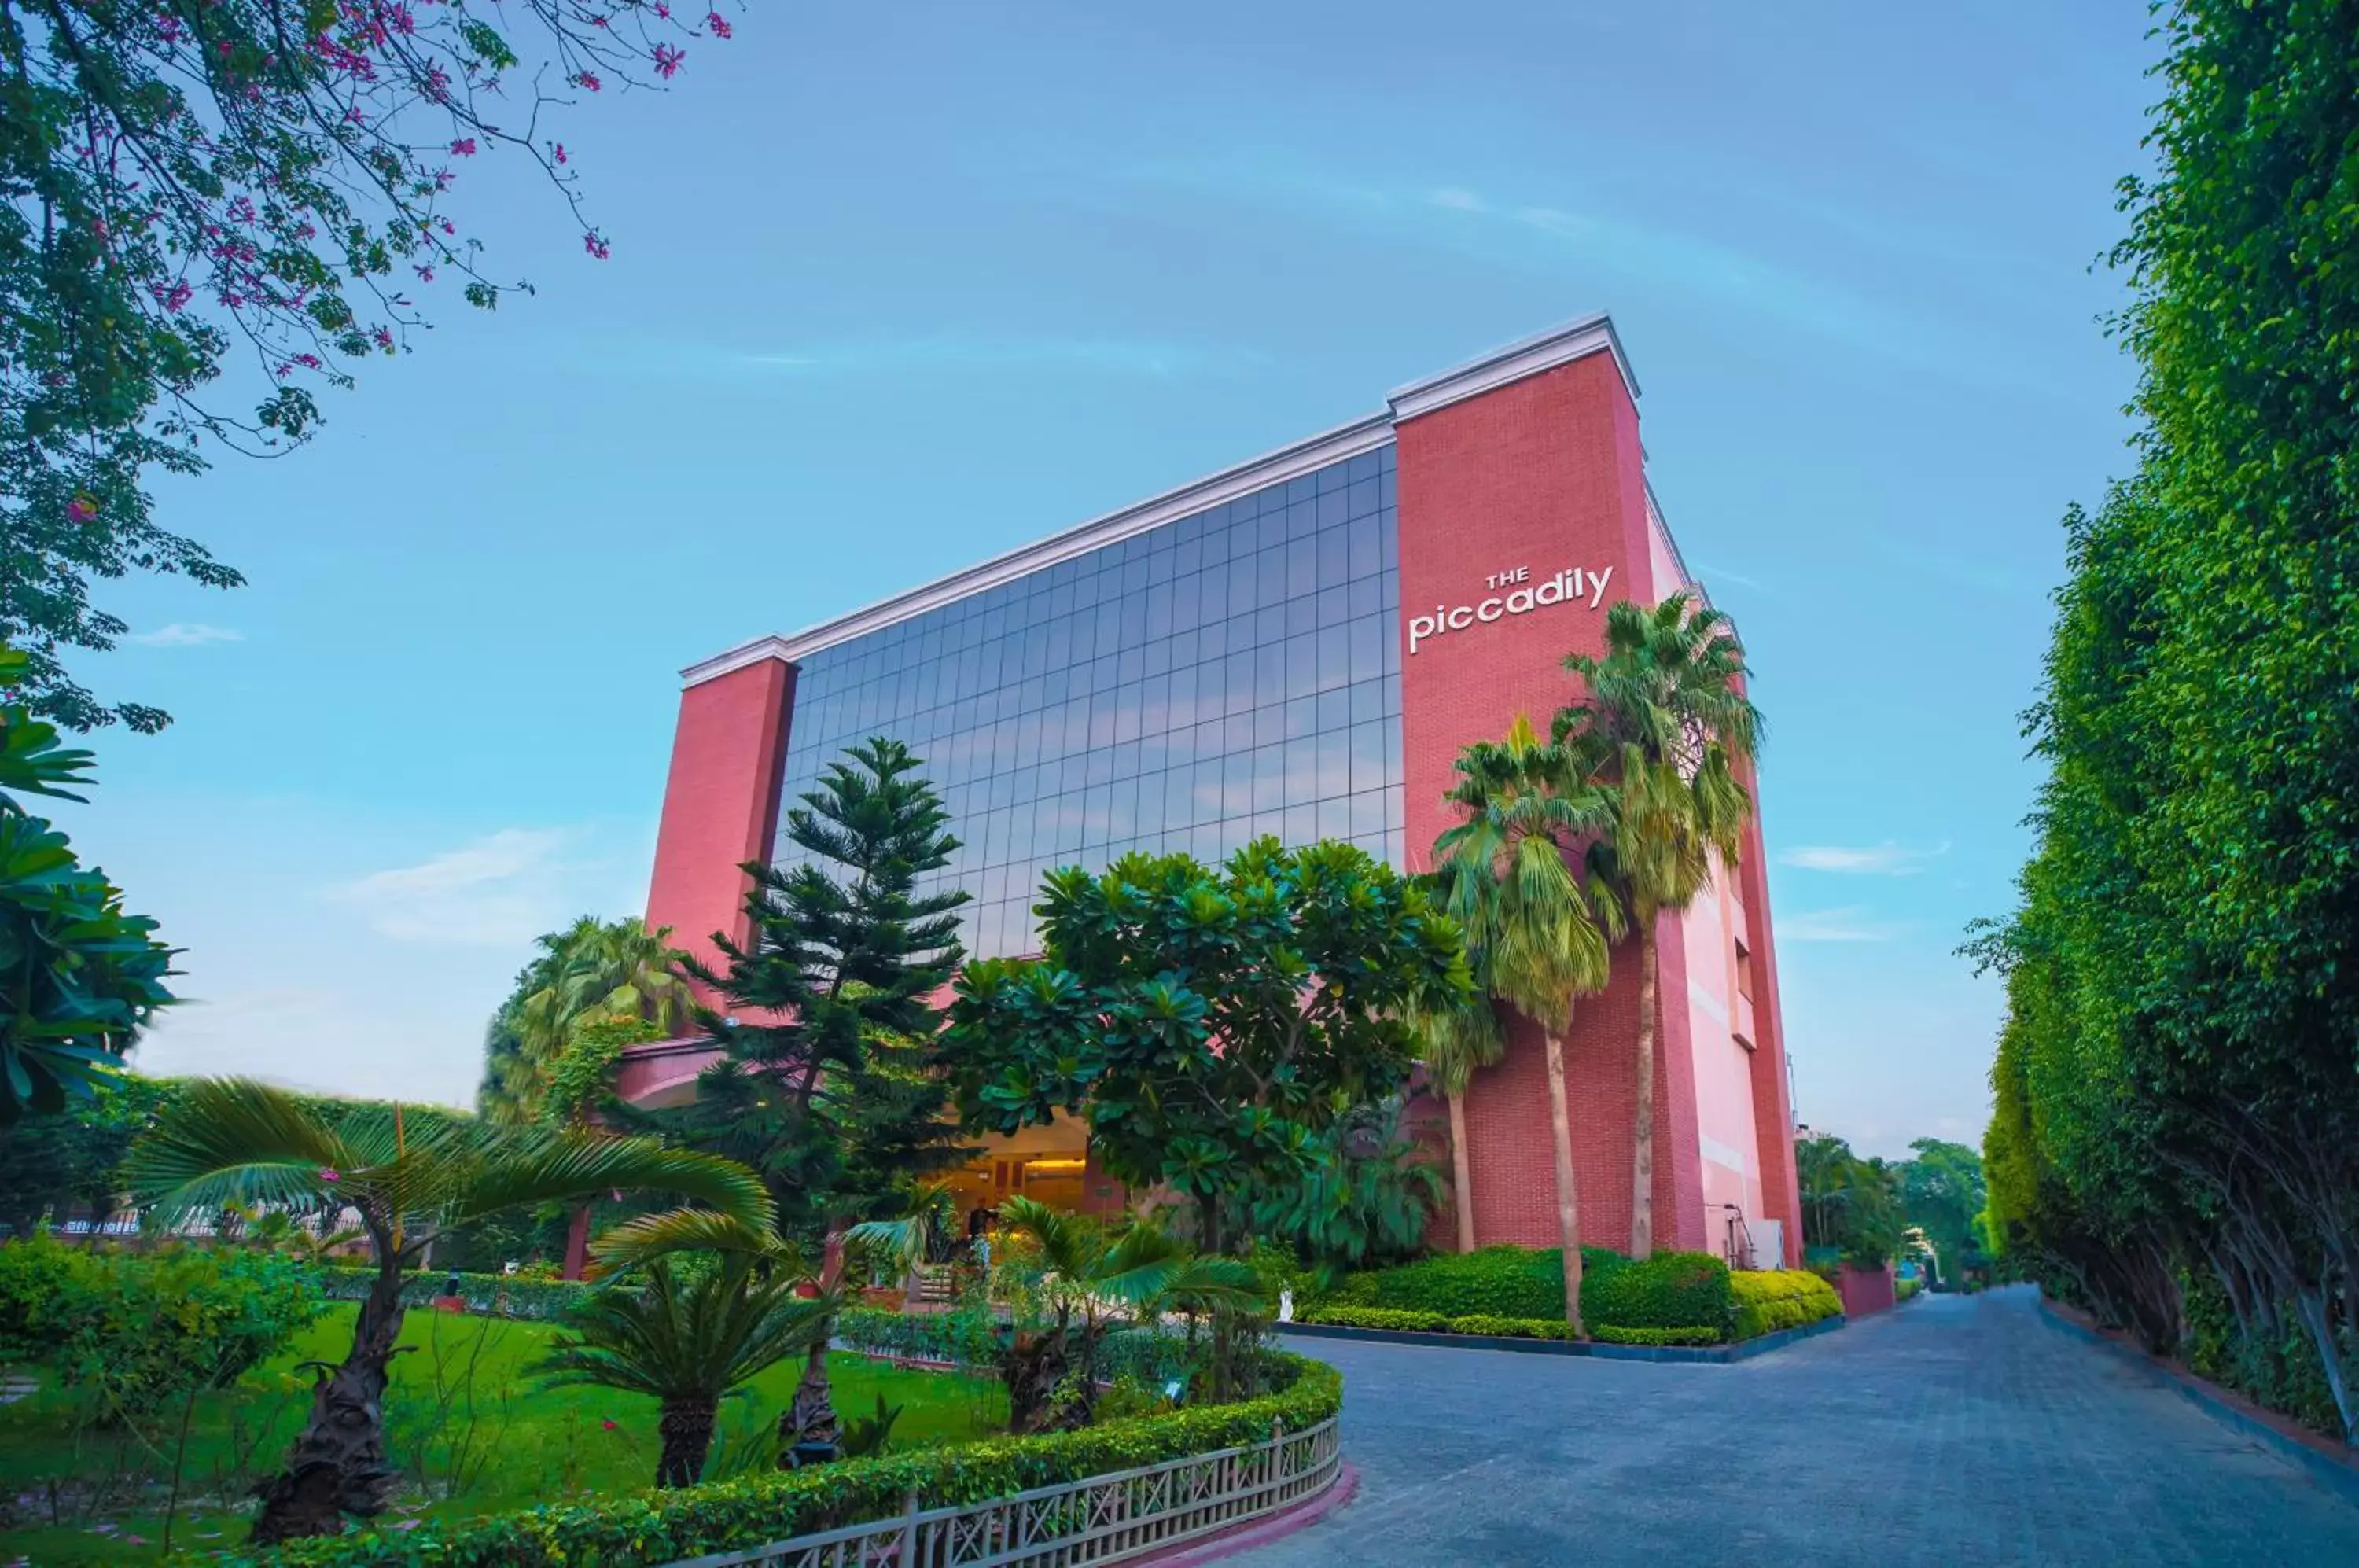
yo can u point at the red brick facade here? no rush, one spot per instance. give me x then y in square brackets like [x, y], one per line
[721, 803]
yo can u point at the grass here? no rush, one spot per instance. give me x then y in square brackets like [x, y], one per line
[466, 1424]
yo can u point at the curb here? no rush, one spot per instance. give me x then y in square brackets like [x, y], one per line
[1714, 1355]
[1262, 1531]
[2315, 1454]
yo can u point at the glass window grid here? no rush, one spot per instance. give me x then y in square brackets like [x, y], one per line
[1231, 673]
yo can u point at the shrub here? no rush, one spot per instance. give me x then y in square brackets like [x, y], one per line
[1904, 1289]
[970, 1337]
[660, 1527]
[1772, 1299]
[1499, 1282]
[1393, 1318]
[1670, 1290]
[1607, 1334]
[494, 1295]
[134, 1329]
[1512, 1328]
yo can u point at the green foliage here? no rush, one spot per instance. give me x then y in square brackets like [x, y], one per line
[1850, 1204]
[865, 1435]
[594, 988]
[79, 977]
[2175, 1093]
[1772, 1299]
[1670, 1290]
[1403, 1321]
[1356, 1207]
[1497, 1281]
[1611, 1333]
[55, 1163]
[660, 1527]
[1211, 1024]
[1906, 1289]
[131, 1330]
[973, 1337]
[835, 1102]
[494, 1295]
[188, 184]
[1942, 1194]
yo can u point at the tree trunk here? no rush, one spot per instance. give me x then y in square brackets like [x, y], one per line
[686, 1428]
[577, 1242]
[1567, 1196]
[1462, 1175]
[811, 1418]
[1642, 1136]
[338, 1464]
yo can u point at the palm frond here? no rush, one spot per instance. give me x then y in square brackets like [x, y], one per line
[225, 1139]
[645, 1238]
[559, 1166]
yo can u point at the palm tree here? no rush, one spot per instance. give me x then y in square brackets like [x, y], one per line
[688, 1345]
[909, 1241]
[229, 1139]
[591, 970]
[1457, 1036]
[1081, 1269]
[1539, 929]
[1664, 723]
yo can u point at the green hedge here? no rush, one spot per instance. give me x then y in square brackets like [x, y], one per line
[494, 1295]
[1438, 1323]
[1773, 1299]
[1904, 1289]
[1498, 1282]
[731, 1516]
[1606, 1333]
[1670, 1290]
[971, 1338]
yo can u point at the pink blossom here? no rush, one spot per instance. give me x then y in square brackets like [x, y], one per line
[595, 246]
[463, 147]
[425, 273]
[560, 152]
[663, 10]
[609, 1425]
[597, 21]
[384, 340]
[328, 1175]
[308, 361]
[82, 508]
[175, 297]
[718, 23]
[588, 81]
[667, 61]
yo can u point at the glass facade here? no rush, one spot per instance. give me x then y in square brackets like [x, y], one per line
[1231, 673]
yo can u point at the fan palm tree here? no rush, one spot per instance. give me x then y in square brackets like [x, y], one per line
[234, 1139]
[1665, 723]
[907, 1241]
[689, 1345]
[1540, 932]
[1456, 1036]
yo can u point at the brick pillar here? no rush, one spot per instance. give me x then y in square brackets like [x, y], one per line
[1773, 1110]
[721, 803]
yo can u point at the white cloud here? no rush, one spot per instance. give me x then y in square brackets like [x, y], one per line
[1853, 922]
[185, 634]
[499, 891]
[1886, 859]
[1457, 200]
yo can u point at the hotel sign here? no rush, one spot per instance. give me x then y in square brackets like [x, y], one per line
[1573, 585]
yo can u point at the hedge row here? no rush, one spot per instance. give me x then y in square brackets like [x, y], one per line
[1781, 1298]
[1607, 1334]
[973, 1339]
[1436, 1322]
[1670, 1290]
[1904, 1289]
[494, 1295]
[660, 1527]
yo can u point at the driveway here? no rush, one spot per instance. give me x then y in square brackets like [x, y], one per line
[1958, 1429]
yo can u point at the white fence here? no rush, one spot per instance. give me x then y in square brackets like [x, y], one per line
[1105, 1518]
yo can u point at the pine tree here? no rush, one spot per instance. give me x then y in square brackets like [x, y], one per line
[825, 1085]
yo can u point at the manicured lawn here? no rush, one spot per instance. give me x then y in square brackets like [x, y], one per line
[467, 1426]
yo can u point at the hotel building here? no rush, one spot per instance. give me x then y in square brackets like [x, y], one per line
[1298, 645]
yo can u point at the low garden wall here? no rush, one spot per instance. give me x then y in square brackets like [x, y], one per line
[743, 1516]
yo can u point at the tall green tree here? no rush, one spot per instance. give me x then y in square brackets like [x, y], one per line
[213, 206]
[1211, 1024]
[79, 977]
[824, 1082]
[591, 971]
[2176, 1087]
[1663, 720]
[1511, 872]
[224, 1141]
[1942, 1194]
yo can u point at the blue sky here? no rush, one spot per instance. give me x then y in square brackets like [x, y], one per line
[896, 287]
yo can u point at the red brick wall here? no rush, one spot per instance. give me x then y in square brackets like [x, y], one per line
[1544, 472]
[721, 803]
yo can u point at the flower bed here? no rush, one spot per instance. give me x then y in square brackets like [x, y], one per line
[661, 1527]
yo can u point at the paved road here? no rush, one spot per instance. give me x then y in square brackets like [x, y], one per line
[1958, 1429]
